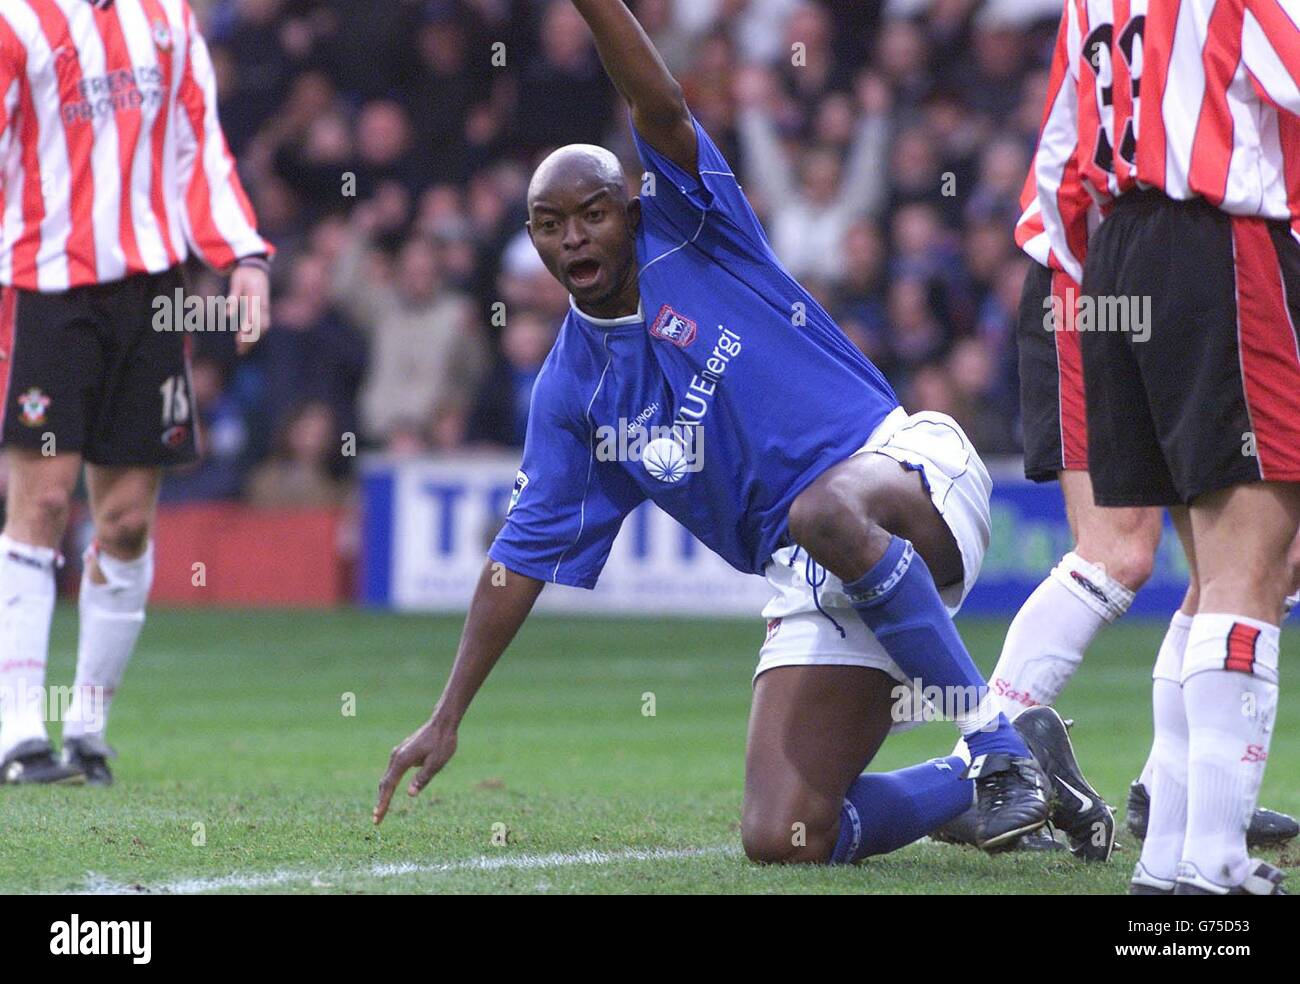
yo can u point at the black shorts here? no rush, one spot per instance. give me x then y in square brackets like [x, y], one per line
[1052, 408]
[1207, 394]
[85, 371]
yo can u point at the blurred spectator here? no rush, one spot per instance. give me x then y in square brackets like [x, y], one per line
[918, 335]
[427, 352]
[446, 89]
[500, 413]
[310, 353]
[300, 470]
[978, 406]
[993, 71]
[812, 200]
[930, 388]
[858, 303]
[255, 54]
[564, 96]
[366, 44]
[671, 37]
[385, 148]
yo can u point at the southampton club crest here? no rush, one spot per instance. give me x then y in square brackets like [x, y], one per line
[162, 34]
[673, 327]
[34, 403]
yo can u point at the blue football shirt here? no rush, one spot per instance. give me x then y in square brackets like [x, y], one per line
[721, 400]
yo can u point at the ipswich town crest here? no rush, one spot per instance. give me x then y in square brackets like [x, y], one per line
[673, 327]
[34, 404]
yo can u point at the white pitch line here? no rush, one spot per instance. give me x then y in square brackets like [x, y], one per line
[99, 885]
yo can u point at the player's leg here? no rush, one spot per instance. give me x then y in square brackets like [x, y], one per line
[1094, 583]
[116, 577]
[870, 522]
[143, 420]
[50, 362]
[812, 731]
[1267, 827]
[1090, 587]
[1230, 672]
[1165, 773]
[36, 514]
[873, 522]
[1219, 373]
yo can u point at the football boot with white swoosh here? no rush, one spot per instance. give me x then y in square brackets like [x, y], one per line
[1077, 809]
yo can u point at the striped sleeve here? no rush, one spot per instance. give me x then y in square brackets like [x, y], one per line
[1062, 201]
[1270, 48]
[217, 216]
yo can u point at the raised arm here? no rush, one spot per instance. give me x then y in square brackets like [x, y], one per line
[767, 166]
[865, 183]
[634, 66]
[354, 287]
[498, 609]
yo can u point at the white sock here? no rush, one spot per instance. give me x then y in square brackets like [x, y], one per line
[26, 608]
[1170, 656]
[1048, 636]
[1166, 773]
[111, 616]
[1230, 693]
[1047, 639]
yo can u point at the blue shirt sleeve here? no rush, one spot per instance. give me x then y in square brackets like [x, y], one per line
[677, 203]
[567, 507]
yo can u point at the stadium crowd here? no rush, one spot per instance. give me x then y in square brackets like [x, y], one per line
[387, 144]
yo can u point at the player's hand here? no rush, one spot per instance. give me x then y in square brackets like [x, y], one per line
[252, 285]
[430, 748]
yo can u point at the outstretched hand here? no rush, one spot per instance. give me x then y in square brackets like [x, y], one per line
[430, 748]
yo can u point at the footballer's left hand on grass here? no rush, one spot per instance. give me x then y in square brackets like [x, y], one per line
[431, 747]
[250, 301]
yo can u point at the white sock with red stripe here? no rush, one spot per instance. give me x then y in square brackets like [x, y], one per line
[111, 616]
[26, 609]
[1165, 775]
[1047, 638]
[1230, 693]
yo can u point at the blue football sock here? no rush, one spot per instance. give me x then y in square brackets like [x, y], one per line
[898, 600]
[884, 811]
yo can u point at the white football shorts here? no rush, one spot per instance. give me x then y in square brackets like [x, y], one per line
[798, 633]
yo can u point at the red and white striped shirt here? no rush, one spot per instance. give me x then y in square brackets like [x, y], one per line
[112, 161]
[1194, 97]
[1058, 212]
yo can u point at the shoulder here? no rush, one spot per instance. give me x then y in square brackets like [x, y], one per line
[19, 26]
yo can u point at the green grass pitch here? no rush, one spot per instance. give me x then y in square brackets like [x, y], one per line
[239, 770]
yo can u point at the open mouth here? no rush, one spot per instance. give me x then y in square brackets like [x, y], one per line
[583, 273]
